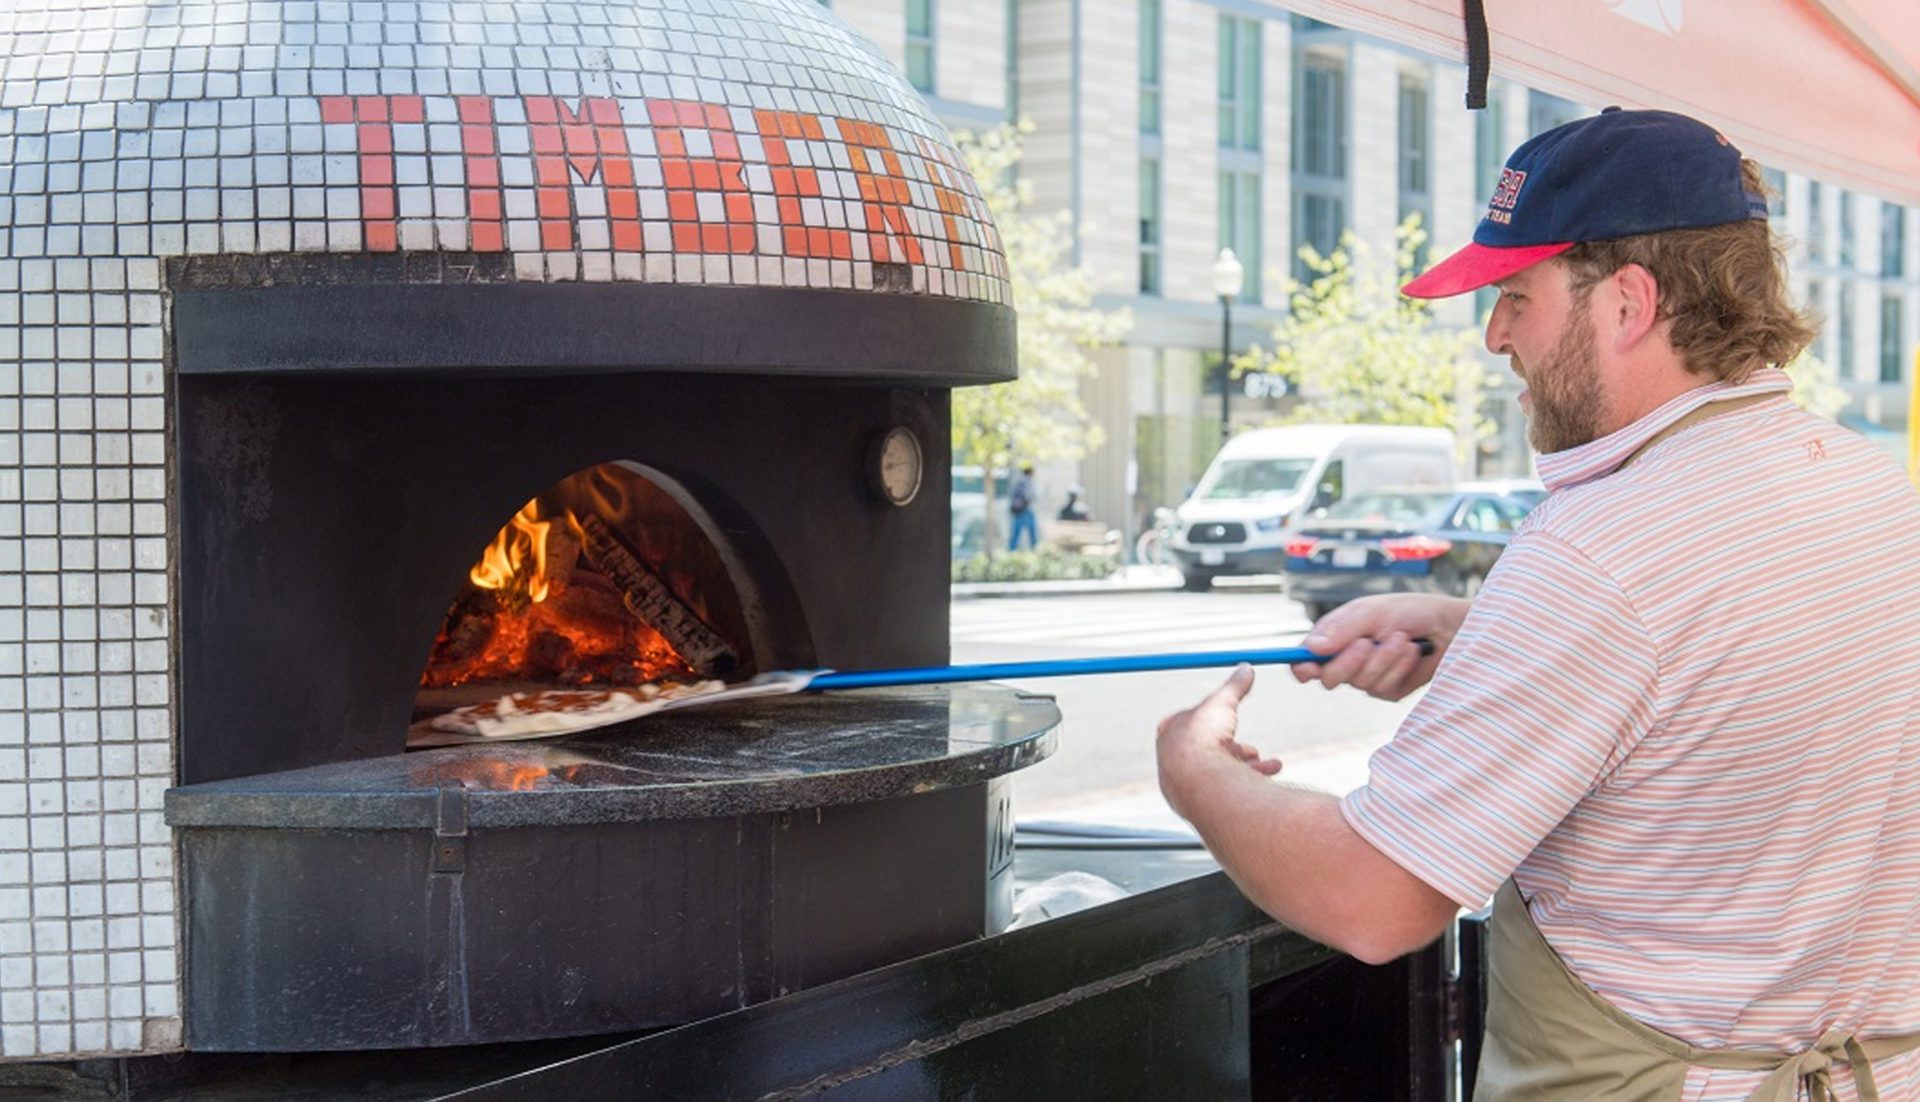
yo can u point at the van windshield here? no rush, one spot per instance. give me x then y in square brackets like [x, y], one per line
[1237, 479]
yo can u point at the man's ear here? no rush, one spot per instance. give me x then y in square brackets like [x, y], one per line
[1637, 305]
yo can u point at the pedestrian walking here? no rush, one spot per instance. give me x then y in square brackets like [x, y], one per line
[1703, 846]
[1020, 505]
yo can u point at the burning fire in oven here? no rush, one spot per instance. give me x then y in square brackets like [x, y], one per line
[565, 594]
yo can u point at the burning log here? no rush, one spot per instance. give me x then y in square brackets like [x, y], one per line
[470, 625]
[649, 598]
[549, 654]
[589, 602]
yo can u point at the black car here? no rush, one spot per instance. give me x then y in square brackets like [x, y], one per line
[1414, 541]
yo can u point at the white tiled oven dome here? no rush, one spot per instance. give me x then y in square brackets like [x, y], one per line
[730, 142]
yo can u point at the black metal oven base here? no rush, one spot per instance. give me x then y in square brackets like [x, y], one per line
[302, 940]
[1183, 992]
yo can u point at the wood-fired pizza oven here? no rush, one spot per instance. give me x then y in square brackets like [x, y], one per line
[365, 456]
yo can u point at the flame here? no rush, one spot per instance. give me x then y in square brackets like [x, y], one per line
[549, 609]
[488, 774]
[524, 778]
[506, 559]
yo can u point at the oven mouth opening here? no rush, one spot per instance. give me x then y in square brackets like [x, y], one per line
[602, 593]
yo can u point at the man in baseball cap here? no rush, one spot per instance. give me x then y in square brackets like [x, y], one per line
[1704, 853]
[1615, 175]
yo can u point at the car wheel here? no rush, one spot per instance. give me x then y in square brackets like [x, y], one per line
[1316, 609]
[1196, 582]
[1469, 585]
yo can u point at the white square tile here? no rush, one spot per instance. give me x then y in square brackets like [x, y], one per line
[17, 1039]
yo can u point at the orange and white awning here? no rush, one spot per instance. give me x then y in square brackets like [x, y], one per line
[1829, 88]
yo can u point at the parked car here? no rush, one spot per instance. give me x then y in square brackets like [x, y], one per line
[1407, 541]
[1263, 484]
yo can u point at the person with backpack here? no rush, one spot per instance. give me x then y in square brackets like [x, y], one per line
[1020, 504]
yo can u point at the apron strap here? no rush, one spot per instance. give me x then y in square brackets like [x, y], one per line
[1814, 1067]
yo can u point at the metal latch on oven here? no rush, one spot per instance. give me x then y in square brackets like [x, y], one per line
[450, 829]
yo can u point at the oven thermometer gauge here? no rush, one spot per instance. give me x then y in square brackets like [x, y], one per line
[895, 465]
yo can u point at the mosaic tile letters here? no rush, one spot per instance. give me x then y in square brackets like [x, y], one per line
[735, 182]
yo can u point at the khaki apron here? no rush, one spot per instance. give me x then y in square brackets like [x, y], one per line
[1550, 1036]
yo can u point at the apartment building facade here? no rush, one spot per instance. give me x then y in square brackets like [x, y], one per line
[1169, 129]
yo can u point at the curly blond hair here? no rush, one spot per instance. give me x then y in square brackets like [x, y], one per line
[1723, 288]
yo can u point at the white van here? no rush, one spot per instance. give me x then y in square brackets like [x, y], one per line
[1263, 483]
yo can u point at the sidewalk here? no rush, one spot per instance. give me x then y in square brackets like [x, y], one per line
[1337, 770]
[1127, 579]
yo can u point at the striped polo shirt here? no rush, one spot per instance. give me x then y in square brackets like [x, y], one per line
[1684, 715]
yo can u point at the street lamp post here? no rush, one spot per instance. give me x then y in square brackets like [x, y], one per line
[1228, 278]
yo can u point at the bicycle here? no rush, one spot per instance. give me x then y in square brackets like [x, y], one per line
[1151, 548]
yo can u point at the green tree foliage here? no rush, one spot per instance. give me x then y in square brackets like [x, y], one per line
[1356, 351]
[1039, 415]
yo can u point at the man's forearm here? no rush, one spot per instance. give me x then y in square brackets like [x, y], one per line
[1293, 854]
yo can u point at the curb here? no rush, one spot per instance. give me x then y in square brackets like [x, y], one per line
[1161, 580]
[1127, 580]
[974, 591]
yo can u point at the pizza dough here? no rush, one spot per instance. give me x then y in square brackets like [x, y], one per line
[558, 711]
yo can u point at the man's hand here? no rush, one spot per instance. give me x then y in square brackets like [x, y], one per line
[1373, 638]
[1288, 848]
[1199, 741]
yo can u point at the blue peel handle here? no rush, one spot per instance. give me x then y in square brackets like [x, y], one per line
[1069, 667]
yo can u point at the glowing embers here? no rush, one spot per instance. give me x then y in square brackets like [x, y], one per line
[602, 580]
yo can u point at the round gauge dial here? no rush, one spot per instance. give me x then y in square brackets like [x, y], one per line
[895, 466]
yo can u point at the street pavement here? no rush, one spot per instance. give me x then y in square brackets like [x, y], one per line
[1103, 770]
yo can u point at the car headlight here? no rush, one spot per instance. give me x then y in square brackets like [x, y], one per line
[1270, 524]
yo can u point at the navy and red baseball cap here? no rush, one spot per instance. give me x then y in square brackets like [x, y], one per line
[1616, 174]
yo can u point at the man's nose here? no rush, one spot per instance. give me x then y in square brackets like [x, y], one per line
[1497, 334]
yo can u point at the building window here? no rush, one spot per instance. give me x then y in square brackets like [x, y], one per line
[1489, 157]
[1319, 156]
[1318, 220]
[1239, 83]
[1816, 225]
[1240, 225]
[1150, 22]
[1776, 182]
[1848, 254]
[1893, 240]
[1150, 226]
[1843, 324]
[1489, 145]
[1817, 303]
[1892, 345]
[1416, 145]
[1320, 131]
[1416, 134]
[920, 44]
[1012, 54]
[1544, 112]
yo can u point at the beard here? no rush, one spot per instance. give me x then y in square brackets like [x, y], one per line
[1565, 391]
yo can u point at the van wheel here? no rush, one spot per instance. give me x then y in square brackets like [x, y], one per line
[1196, 582]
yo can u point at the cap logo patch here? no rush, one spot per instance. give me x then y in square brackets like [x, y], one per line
[1505, 196]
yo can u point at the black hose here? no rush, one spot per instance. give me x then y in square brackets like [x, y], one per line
[1479, 56]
